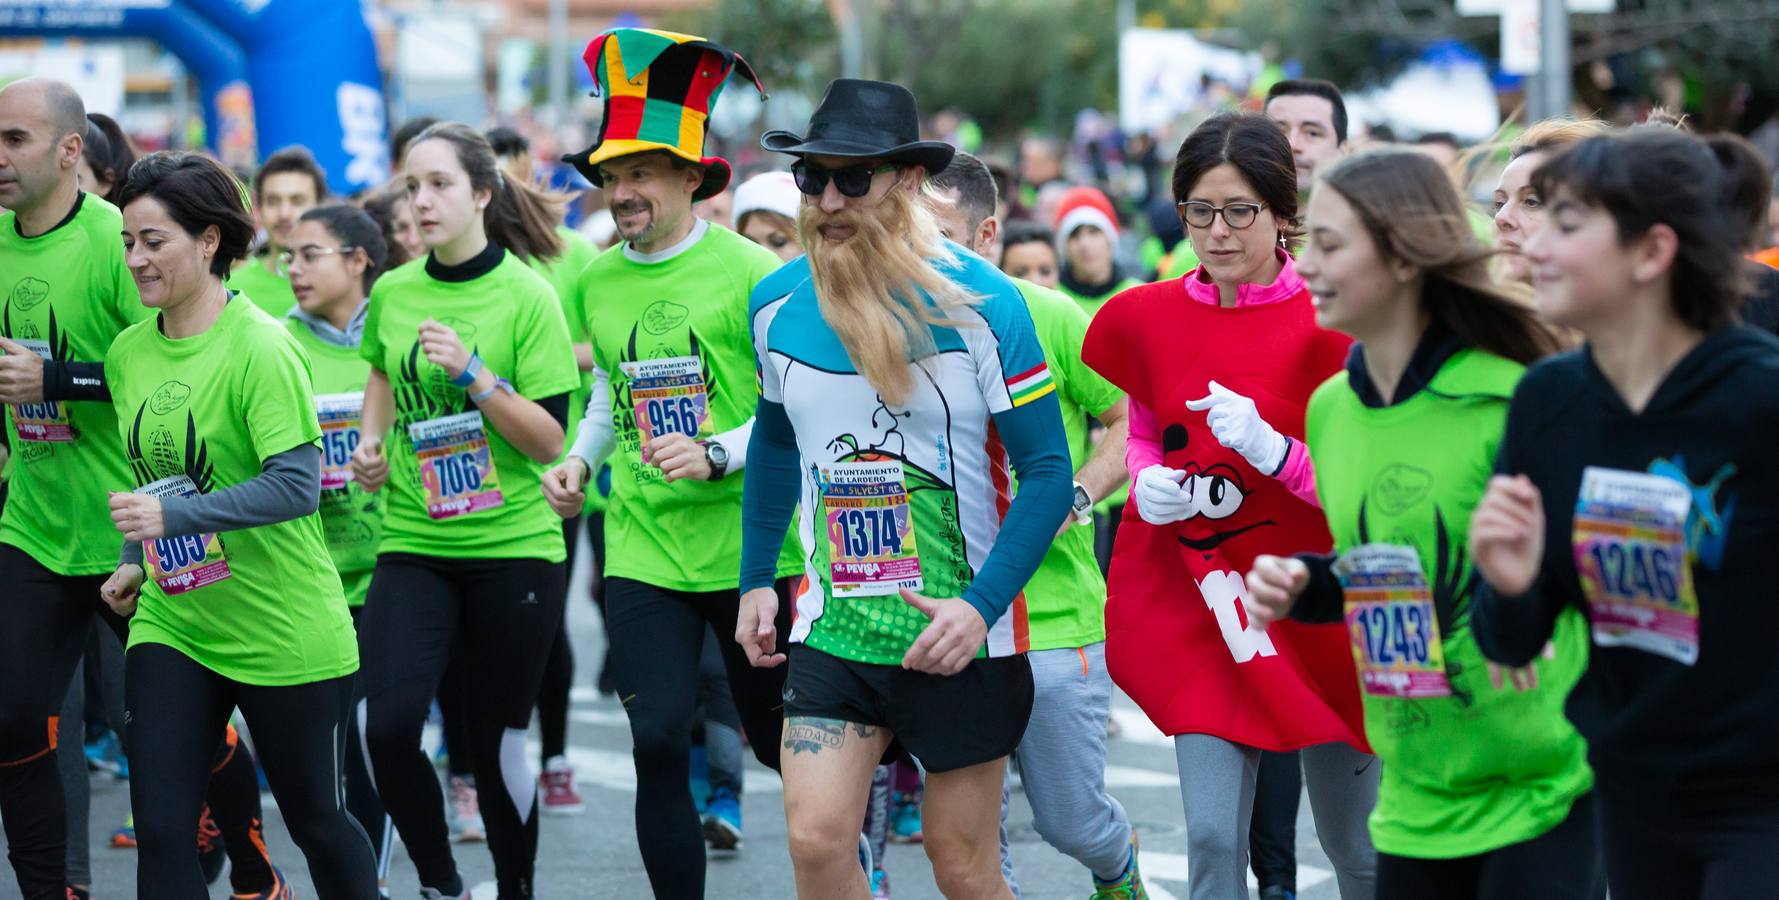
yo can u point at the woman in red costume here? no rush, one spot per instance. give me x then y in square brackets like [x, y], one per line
[1219, 365]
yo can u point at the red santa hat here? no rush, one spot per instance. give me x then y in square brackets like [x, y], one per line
[1084, 206]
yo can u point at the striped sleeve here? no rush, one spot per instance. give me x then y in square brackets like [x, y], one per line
[1010, 364]
[1030, 385]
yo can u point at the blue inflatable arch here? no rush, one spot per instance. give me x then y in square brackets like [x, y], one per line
[271, 73]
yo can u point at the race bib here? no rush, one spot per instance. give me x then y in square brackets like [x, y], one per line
[340, 415]
[1392, 624]
[456, 467]
[1631, 554]
[45, 422]
[185, 562]
[870, 531]
[669, 396]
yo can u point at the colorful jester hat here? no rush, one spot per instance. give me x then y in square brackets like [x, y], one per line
[659, 89]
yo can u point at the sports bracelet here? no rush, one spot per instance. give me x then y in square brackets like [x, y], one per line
[500, 384]
[470, 371]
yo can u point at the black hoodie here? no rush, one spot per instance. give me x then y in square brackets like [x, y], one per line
[1709, 731]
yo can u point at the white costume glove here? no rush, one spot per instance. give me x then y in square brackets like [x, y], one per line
[1238, 426]
[1160, 498]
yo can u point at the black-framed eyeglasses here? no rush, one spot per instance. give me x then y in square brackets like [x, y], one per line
[310, 255]
[851, 181]
[1200, 214]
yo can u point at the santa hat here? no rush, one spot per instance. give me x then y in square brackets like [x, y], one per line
[1083, 206]
[769, 191]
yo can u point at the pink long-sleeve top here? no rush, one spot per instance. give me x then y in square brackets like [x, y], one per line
[1143, 449]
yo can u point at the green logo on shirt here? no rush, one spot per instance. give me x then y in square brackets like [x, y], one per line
[663, 316]
[28, 293]
[168, 397]
[1400, 487]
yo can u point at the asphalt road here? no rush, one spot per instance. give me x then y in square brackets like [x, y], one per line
[594, 855]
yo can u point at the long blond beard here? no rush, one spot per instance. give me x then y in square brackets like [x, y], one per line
[879, 290]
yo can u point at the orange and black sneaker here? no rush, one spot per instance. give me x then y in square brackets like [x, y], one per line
[280, 889]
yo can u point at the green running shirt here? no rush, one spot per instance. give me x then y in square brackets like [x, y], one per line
[211, 408]
[1065, 602]
[66, 293]
[351, 516]
[1482, 768]
[683, 536]
[510, 316]
[270, 291]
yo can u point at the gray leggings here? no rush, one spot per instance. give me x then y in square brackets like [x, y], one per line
[71, 745]
[1217, 787]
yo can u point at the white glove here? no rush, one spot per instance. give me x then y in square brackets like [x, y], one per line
[1160, 498]
[1238, 426]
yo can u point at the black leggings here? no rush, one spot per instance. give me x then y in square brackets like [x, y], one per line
[506, 613]
[1659, 850]
[553, 694]
[1272, 833]
[46, 617]
[1561, 864]
[178, 710]
[657, 637]
[361, 790]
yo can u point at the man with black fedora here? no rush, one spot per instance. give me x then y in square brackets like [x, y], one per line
[900, 378]
[671, 405]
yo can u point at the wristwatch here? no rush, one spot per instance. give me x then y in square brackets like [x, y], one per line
[718, 457]
[1082, 506]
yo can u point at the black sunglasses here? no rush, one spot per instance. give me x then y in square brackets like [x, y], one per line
[852, 181]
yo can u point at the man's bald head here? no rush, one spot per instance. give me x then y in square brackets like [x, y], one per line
[42, 131]
[59, 104]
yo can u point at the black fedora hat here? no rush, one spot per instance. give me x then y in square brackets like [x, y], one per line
[865, 120]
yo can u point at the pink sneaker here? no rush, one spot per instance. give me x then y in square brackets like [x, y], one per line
[560, 796]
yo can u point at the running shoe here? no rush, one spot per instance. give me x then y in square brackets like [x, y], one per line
[722, 820]
[124, 838]
[79, 893]
[106, 754]
[905, 824]
[1127, 887]
[1277, 892]
[865, 860]
[210, 850]
[879, 885]
[280, 889]
[466, 814]
[560, 796]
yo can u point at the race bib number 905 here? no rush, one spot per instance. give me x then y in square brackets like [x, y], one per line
[181, 563]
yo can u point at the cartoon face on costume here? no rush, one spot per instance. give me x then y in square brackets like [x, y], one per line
[1216, 486]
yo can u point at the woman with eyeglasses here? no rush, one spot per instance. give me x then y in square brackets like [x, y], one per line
[1485, 791]
[1219, 366]
[336, 253]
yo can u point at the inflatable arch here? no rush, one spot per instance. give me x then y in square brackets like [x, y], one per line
[271, 72]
